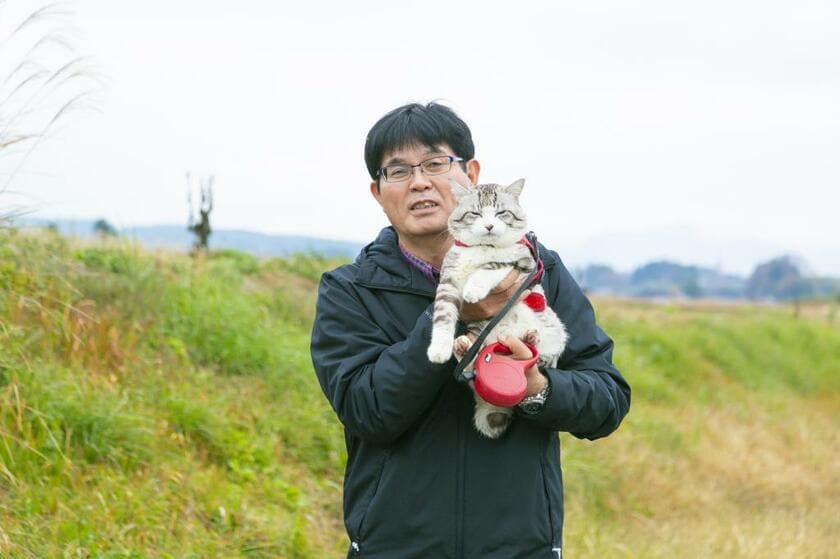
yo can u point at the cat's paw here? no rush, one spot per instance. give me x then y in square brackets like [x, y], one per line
[489, 420]
[474, 292]
[531, 337]
[461, 346]
[440, 350]
[492, 421]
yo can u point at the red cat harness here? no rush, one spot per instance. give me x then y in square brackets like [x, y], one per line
[535, 301]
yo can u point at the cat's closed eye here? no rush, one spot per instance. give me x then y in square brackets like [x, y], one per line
[469, 217]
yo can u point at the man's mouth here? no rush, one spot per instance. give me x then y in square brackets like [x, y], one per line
[423, 204]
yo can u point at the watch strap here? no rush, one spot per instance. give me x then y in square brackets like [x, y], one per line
[534, 403]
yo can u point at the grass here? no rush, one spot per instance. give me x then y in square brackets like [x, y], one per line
[153, 405]
[727, 451]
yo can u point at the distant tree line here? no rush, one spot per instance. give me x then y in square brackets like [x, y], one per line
[778, 279]
[782, 279]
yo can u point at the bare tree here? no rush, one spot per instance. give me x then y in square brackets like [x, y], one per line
[199, 224]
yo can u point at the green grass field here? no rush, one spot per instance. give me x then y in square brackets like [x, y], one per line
[153, 405]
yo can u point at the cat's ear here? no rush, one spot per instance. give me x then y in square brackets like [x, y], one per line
[457, 189]
[515, 188]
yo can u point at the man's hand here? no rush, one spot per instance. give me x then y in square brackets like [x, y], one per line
[490, 306]
[519, 351]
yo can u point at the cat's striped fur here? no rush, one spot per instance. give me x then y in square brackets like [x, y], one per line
[488, 223]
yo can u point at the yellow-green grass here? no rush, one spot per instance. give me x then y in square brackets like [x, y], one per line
[730, 447]
[154, 405]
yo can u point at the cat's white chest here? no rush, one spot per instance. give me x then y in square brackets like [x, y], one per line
[475, 259]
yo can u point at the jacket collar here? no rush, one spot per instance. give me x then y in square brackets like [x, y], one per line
[380, 265]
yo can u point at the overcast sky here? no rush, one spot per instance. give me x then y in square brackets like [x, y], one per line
[706, 133]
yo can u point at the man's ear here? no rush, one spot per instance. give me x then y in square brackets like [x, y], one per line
[458, 189]
[374, 190]
[473, 170]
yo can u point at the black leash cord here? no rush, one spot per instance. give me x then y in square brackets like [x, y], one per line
[468, 357]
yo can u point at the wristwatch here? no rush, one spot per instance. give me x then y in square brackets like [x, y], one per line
[533, 404]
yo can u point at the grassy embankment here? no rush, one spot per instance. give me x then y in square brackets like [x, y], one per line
[157, 406]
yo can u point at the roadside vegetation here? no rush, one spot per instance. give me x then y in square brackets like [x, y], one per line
[157, 405]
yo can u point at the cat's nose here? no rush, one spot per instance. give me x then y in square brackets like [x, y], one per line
[489, 226]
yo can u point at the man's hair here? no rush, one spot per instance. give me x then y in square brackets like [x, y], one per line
[428, 125]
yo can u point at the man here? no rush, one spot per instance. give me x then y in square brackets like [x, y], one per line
[420, 481]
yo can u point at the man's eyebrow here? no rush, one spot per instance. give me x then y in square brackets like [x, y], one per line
[394, 161]
[430, 150]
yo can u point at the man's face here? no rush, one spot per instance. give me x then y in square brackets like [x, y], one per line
[419, 206]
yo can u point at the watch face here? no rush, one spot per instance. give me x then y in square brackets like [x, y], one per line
[531, 407]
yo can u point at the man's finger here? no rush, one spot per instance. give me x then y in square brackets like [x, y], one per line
[517, 347]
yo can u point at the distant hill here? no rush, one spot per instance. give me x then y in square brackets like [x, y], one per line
[781, 278]
[177, 237]
[778, 279]
[662, 279]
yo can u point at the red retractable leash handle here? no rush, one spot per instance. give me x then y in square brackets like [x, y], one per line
[499, 378]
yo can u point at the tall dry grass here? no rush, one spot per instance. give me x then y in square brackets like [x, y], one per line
[726, 463]
[44, 80]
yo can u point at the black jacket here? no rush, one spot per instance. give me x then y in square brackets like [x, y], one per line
[420, 480]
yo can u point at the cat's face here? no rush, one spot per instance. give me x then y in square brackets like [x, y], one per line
[488, 214]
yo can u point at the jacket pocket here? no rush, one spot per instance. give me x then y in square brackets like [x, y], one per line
[386, 456]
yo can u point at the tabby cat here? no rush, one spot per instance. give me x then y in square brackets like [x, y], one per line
[489, 225]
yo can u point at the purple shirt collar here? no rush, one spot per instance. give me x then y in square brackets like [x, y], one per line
[429, 271]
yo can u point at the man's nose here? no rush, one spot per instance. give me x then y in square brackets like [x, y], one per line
[419, 181]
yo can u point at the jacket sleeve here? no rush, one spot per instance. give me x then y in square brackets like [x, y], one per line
[588, 397]
[377, 388]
